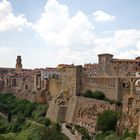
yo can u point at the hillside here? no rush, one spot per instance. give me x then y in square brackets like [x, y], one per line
[24, 120]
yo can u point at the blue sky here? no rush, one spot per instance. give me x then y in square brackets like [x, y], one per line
[48, 32]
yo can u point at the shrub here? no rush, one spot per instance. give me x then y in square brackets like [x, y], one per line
[57, 127]
[107, 121]
[2, 138]
[89, 94]
[83, 132]
[112, 137]
[129, 134]
[44, 121]
[99, 95]
[129, 138]
[5, 110]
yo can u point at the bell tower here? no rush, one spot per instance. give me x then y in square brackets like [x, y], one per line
[18, 64]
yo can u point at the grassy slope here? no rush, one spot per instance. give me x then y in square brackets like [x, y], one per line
[20, 127]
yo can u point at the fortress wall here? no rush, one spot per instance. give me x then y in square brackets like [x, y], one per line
[68, 80]
[109, 93]
[54, 87]
[71, 109]
[108, 85]
[62, 113]
[86, 110]
[53, 111]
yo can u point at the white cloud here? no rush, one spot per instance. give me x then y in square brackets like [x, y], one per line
[125, 38]
[8, 20]
[59, 29]
[102, 16]
[6, 50]
[70, 39]
[121, 43]
[74, 40]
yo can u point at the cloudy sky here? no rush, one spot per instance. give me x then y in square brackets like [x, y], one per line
[48, 32]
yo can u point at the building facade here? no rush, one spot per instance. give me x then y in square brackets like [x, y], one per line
[63, 87]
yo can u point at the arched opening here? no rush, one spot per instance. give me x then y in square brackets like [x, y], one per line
[124, 88]
[125, 84]
[137, 86]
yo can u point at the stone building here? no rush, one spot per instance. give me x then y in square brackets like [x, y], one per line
[116, 67]
[23, 83]
[64, 86]
[50, 73]
[18, 64]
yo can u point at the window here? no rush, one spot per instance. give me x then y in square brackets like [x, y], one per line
[123, 84]
[130, 101]
[13, 82]
[26, 86]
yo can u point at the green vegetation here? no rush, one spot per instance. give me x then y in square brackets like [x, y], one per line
[35, 131]
[4, 109]
[97, 94]
[83, 132]
[110, 135]
[23, 107]
[107, 121]
[129, 135]
[100, 96]
[27, 121]
[106, 124]
[43, 121]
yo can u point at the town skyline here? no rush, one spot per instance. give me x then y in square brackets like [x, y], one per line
[50, 32]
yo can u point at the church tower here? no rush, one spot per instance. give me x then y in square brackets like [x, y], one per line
[18, 64]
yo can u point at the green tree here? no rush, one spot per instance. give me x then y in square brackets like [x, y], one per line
[128, 138]
[47, 122]
[99, 95]
[107, 121]
[129, 134]
[44, 121]
[89, 94]
[112, 137]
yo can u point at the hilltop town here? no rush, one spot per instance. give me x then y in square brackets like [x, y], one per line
[64, 86]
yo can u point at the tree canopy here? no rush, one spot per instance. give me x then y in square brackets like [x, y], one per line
[97, 94]
[107, 121]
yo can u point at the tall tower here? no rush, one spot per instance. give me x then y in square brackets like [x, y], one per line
[18, 64]
[105, 63]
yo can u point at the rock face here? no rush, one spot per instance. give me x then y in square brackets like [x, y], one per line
[62, 88]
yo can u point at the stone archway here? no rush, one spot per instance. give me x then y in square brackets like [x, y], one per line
[124, 89]
[125, 84]
[136, 86]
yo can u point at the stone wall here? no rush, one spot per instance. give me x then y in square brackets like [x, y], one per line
[108, 85]
[26, 85]
[87, 110]
[54, 87]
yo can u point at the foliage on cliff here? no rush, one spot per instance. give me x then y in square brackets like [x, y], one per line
[110, 135]
[83, 132]
[97, 94]
[100, 96]
[28, 121]
[107, 121]
[23, 107]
